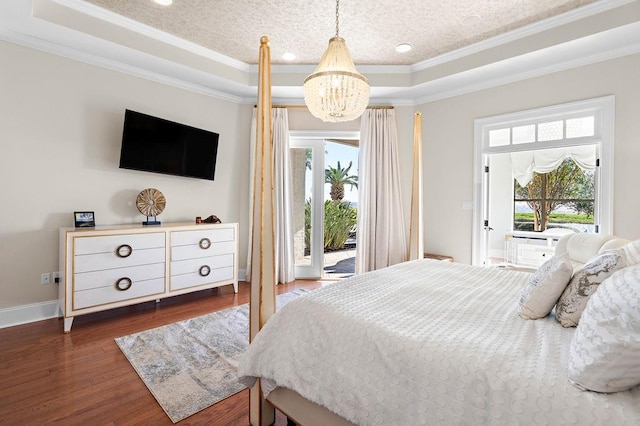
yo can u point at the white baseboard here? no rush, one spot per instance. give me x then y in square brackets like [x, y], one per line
[29, 313]
[45, 310]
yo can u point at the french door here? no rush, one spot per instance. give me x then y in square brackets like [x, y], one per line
[307, 157]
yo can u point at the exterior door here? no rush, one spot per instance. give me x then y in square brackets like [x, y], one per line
[307, 157]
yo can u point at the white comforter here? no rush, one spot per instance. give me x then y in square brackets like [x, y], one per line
[428, 342]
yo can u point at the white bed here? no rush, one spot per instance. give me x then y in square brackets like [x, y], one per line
[427, 342]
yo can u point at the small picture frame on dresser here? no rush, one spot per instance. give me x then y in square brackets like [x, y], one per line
[84, 219]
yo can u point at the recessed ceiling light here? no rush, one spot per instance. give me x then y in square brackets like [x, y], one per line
[471, 20]
[289, 56]
[164, 2]
[403, 47]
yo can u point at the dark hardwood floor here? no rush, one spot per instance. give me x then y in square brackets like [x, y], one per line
[82, 378]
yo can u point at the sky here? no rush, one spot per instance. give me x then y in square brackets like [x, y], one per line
[335, 152]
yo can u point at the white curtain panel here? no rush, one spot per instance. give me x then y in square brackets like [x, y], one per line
[381, 239]
[525, 163]
[282, 194]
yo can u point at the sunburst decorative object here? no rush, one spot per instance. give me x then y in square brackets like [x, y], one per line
[151, 202]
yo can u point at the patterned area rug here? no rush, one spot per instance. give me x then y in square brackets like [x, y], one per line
[190, 365]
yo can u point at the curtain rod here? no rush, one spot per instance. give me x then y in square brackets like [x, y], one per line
[304, 106]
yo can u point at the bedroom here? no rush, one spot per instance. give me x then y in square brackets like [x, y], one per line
[61, 117]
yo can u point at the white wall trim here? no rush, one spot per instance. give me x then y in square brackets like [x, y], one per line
[25, 314]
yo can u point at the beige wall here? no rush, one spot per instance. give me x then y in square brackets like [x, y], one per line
[448, 145]
[60, 133]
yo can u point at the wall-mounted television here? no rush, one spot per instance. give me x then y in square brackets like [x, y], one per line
[153, 144]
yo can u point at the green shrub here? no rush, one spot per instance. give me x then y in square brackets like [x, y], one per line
[339, 218]
[556, 218]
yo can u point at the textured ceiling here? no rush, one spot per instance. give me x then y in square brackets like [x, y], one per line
[372, 28]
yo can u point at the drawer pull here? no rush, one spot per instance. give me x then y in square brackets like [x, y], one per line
[204, 243]
[204, 270]
[123, 284]
[124, 250]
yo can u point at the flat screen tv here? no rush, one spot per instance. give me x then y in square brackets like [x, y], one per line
[157, 145]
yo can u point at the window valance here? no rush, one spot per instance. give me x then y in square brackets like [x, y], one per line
[524, 164]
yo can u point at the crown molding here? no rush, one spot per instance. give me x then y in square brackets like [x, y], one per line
[518, 69]
[153, 33]
[114, 65]
[535, 28]
[21, 28]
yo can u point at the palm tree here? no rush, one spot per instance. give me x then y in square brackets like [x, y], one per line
[338, 178]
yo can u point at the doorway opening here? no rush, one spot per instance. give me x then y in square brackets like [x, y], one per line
[325, 198]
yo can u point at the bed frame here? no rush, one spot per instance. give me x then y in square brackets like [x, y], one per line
[302, 411]
[262, 301]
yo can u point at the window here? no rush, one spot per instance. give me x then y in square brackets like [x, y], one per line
[545, 131]
[561, 198]
[519, 159]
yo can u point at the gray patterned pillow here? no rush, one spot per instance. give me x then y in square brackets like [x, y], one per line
[544, 287]
[584, 283]
[604, 352]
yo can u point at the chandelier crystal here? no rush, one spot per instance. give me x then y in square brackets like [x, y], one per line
[336, 91]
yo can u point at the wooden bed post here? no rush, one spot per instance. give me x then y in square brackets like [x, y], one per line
[263, 293]
[416, 248]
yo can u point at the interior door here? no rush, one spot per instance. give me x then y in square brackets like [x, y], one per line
[307, 157]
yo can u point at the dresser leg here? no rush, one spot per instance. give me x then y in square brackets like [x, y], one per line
[235, 287]
[68, 321]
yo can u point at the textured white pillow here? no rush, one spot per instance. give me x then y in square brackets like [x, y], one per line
[544, 287]
[632, 252]
[584, 283]
[604, 354]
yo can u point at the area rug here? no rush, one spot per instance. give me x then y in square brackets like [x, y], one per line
[190, 365]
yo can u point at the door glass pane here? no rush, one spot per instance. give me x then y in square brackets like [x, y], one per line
[302, 190]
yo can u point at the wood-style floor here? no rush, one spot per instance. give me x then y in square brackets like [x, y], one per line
[82, 378]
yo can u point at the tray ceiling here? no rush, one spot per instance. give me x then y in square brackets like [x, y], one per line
[372, 29]
[211, 46]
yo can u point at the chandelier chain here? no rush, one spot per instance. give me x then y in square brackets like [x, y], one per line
[337, 18]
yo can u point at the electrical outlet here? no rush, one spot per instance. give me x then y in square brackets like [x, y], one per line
[56, 277]
[45, 278]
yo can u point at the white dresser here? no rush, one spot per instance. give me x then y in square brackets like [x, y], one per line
[108, 267]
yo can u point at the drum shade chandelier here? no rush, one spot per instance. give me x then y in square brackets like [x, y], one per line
[336, 91]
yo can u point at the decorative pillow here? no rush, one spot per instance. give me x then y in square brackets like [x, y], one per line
[632, 252]
[604, 352]
[544, 287]
[584, 283]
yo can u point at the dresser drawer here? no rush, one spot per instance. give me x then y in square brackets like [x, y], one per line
[108, 277]
[111, 243]
[196, 251]
[110, 260]
[195, 272]
[187, 238]
[109, 294]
